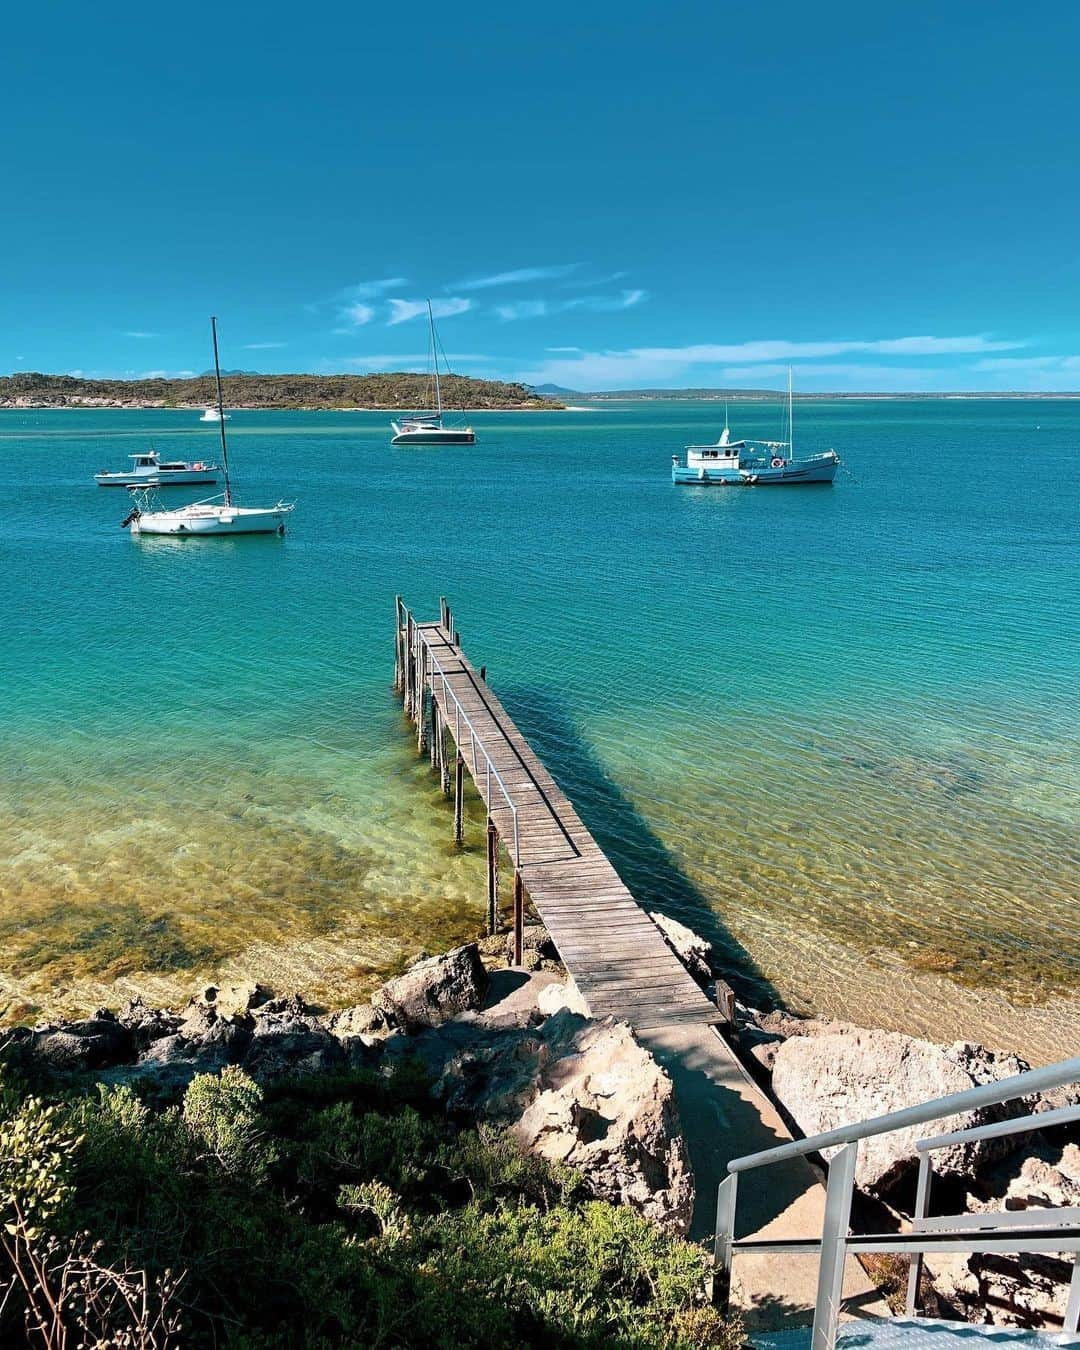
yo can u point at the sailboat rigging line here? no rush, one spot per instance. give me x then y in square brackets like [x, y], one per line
[446, 360]
[221, 414]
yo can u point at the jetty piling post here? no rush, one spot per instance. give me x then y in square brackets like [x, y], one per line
[444, 762]
[483, 674]
[519, 919]
[459, 798]
[421, 693]
[399, 664]
[492, 875]
[433, 728]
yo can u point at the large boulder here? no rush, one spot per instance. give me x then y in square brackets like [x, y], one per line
[95, 1043]
[850, 1074]
[279, 1051]
[434, 990]
[582, 1093]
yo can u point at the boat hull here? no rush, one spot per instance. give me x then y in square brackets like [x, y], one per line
[241, 520]
[465, 436]
[181, 478]
[821, 470]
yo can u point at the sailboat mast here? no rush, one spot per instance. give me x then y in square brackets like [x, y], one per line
[790, 417]
[435, 360]
[221, 415]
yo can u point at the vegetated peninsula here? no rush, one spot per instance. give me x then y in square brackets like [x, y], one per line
[391, 390]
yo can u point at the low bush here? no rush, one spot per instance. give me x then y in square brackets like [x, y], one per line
[326, 1213]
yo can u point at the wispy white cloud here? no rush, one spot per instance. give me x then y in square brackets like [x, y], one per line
[139, 333]
[263, 346]
[164, 375]
[749, 361]
[399, 360]
[358, 314]
[401, 311]
[595, 304]
[1030, 363]
[517, 276]
[371, 290]
[562, 349]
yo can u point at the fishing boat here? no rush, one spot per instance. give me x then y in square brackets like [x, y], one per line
[214, 415]
[430, 428]
[213, 516]
[150, 470]
[753, 463]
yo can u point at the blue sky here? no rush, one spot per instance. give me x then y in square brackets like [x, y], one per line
[601, 196]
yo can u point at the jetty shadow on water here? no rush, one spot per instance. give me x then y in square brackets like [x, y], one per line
[644, 862]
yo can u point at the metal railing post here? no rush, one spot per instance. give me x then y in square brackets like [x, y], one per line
[830, 1289]
[1071, 1324]
[726, 1194]
[922, 1202]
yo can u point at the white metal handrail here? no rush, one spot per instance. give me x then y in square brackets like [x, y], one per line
[491, 773]
[1054, 1230]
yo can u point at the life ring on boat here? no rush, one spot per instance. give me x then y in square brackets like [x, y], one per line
[777, 462]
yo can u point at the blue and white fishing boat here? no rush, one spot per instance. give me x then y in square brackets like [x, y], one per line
[753, 463]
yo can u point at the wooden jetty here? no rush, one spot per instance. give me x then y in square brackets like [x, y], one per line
[617, 956]
[615, 953]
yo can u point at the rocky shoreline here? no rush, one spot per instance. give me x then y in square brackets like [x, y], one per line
[515, 1049]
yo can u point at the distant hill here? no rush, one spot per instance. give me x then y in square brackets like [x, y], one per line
[391, 390]
[556, 389]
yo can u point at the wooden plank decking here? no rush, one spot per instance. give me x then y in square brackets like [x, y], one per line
[618, 959]
[620, 964]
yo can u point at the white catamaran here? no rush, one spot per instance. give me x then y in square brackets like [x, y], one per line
[215, 515]
[429, 428]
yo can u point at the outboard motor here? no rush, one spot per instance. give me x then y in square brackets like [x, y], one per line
[133, 514]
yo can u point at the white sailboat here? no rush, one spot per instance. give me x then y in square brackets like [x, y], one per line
[215, 515]
[429, 428]
[214, 415]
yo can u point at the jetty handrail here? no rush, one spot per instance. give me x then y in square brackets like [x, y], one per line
[1059, 1230]
[431, 666]
[475, 741]
[987, 1094]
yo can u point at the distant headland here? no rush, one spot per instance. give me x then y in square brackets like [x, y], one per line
[399, 390]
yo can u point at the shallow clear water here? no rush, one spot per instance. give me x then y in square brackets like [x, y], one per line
[835, 726]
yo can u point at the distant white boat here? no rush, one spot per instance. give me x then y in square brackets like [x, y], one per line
[214, 415]
[429, 428]
[150, 470]
[215, 515]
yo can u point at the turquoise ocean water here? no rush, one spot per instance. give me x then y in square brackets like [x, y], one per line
[836, 727]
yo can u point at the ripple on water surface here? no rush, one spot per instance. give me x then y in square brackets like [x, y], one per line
[836, 727]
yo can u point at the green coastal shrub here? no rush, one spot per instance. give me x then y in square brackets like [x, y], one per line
[318, 1217]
